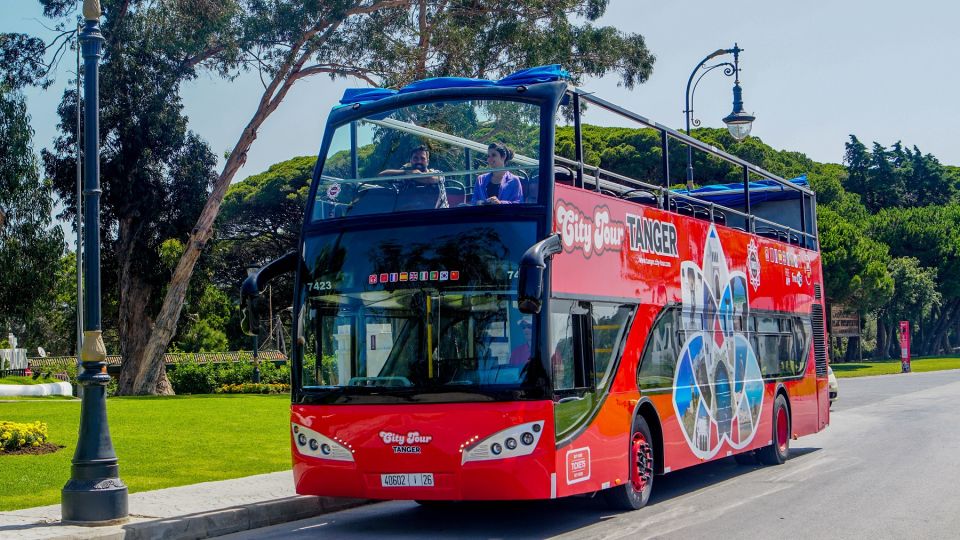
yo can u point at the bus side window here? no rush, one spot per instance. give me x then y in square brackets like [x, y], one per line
[570, 342]
[660, 352]
[609, 326]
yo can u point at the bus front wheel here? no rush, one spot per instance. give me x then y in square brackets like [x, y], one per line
[779, 449]
[635, 492]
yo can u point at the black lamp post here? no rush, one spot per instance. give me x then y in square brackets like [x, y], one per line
[94, 495]
[252, 270]
[739, 121]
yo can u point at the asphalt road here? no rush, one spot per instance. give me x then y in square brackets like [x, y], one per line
[887, 467]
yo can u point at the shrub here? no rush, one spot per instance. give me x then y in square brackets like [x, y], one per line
[190, 377]
[253, 388]
[15, 436]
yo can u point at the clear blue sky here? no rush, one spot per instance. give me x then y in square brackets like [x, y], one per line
[813, 72]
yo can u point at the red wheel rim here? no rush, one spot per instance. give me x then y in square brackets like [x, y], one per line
[782, 436]
[643, 463]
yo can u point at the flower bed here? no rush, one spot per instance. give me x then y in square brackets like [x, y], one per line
[253, 388]
[14, 436]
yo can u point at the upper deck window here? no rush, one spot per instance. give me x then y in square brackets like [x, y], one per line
[432, 156]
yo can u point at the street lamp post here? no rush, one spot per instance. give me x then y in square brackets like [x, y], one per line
[739, 121]
[94, 495]
[252, 270]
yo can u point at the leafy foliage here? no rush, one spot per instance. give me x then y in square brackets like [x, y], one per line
[30, 244]
[22, 59]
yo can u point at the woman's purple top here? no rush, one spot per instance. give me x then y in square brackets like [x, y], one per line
[511, 191]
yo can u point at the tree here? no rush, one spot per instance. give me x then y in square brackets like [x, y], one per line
[915, 299]
[379, 41]
[931, 234]
[898, 176]
[30, 245]
[155, 174]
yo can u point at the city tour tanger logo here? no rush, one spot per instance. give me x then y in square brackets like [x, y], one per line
[405, 444]
[598, 232]
[591, 234]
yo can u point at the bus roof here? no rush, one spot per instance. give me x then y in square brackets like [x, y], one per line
[534, 75]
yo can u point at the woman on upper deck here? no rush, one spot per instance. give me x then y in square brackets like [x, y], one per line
[498, 187]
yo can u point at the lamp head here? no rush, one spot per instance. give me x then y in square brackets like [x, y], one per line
[739, 122]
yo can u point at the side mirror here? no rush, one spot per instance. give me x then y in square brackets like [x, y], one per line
[255, 282]
[530, 280]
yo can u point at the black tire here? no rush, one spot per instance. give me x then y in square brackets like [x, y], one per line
[746, 458]
[779, 450]
[634, 494]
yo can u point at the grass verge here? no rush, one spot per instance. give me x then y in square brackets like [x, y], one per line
[160, 441]
[889, 367]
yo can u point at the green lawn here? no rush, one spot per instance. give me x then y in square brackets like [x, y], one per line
[888, 367]
[161, 442]
[26, 380]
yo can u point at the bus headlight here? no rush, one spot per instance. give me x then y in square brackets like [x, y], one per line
[321, 446]
[503, 444]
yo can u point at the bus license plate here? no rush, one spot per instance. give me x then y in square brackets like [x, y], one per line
[406, 480]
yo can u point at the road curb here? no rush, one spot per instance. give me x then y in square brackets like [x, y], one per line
[206, 524]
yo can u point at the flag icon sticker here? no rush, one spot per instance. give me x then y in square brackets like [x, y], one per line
[372, 280]
[434, 275]
[394, 277]
[404, 276]
[424, 276]
[454, 275]
[384, 278]
[444, 275]
[414, 276]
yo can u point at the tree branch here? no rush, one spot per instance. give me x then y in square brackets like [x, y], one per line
[354, 71]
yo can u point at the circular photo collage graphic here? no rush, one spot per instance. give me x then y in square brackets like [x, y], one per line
[718, 388]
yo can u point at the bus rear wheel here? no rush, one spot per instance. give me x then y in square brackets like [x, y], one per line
[779, 449]
[635, 492]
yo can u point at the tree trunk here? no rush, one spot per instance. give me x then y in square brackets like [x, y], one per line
[135, 321]
[943, 323]
[882, 345]
[853, 348]
[148, 372]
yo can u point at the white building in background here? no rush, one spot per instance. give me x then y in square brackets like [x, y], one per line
[13, 358]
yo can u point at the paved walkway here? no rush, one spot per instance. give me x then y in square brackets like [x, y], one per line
[185, 512]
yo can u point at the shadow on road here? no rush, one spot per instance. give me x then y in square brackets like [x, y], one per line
[527, 518]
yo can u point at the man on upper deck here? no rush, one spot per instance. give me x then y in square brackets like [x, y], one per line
[421, 191]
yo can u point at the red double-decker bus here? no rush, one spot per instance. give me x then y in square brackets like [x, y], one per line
[490, 307]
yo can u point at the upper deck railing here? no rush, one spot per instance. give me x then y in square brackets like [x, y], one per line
[663, 197]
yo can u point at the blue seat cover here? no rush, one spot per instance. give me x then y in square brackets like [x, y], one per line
[760, 191]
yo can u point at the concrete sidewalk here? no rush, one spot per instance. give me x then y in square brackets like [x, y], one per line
[185, 512]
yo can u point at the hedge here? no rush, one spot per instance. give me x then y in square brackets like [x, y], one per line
[253, 388]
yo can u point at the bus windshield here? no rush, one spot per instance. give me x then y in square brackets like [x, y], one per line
[416, 310]
[432, 156]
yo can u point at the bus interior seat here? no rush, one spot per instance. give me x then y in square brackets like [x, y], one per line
[642, 196]
[719, 217]
[770, 232]
[563, 175]
[417, 197]
[531, 189]
[456, 193]
[374, 200]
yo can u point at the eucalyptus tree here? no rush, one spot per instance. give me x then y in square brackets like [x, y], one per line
[380, 42]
